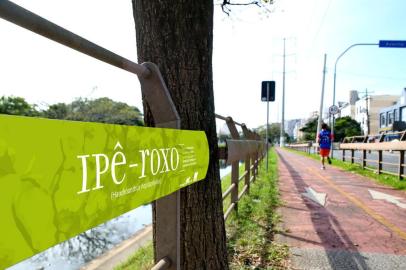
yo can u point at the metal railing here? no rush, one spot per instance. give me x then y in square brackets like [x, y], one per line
[304, 147]
[369, 152]
[377, 143]
[250, 149]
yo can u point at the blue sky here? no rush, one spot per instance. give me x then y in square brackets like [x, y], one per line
[247, 50]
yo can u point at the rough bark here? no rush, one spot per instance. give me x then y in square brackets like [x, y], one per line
[177, 35]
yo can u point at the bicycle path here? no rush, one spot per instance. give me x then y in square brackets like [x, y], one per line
[335, 219]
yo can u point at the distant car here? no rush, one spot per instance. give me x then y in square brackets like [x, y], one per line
[391, 137]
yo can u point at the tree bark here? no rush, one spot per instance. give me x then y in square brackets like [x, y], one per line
[177, 35]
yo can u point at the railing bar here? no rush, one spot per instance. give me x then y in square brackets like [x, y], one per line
[389, 163]
[28, 20]
[228, 191]
[371, 161]
[252, 166]
[251, 178]
[391, 173]
[221, 117]
[230, 208]
[242, 176]
[163, 264]
[242, 192]
[371, 169]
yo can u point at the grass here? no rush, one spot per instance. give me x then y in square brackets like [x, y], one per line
[142, 259]
[385, 179]
[249, 233]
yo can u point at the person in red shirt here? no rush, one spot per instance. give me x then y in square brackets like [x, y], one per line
[324, 139]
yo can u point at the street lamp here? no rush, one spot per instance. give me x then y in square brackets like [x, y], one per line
[382, 44]
[335, 77]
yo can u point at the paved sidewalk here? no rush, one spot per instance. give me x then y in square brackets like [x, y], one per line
[338, 220]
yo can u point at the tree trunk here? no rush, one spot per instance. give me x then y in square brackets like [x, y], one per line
[177, 35]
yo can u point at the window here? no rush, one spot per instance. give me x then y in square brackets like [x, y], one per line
[403, 114]
[383, 119]
[390, 118]
[396, 113]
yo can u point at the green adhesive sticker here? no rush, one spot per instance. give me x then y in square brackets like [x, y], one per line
[61, 178]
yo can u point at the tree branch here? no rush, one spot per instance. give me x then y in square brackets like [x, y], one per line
[226, 3]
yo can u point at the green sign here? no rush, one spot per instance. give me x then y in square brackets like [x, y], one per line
[60, 178]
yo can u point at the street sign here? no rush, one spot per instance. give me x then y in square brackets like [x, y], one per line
[268, 86]
[60, 178]
[392, 43]
[333, 109]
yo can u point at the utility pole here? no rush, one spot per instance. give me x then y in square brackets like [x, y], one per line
[322, 98]
[282, 135]
[367, 97]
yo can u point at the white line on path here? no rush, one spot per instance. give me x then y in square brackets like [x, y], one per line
[313, 195]
[376, 195]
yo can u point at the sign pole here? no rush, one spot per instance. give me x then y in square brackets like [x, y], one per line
[267, 124]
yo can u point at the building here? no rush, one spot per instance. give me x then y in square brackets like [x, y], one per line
[367, 111]
[290, 127]
[348, 108]
[297, 134]
[393, 118]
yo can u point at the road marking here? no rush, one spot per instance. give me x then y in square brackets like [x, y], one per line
[313, 195]
[361, 205]
[376, 195]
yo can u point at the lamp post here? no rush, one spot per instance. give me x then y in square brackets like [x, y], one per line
[335, 77]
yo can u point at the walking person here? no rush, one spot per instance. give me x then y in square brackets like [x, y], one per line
[324, 139]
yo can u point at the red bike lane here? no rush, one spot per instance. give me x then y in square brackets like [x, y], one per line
[334, 210]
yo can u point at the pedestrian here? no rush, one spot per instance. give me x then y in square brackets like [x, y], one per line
[324, 139]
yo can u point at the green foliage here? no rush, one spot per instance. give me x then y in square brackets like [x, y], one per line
[346, 127]
[250, 234]
[103, 110]
[142, 259]
[17, 106]
[310, 130]
[57, 111]
[274, 132]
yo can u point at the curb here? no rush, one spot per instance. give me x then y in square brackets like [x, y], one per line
[121, 252]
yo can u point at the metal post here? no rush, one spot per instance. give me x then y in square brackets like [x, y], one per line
[282, 135]
[352, 156]
[234, 180]
[335, 78]
[247, 175]
[321, 99]
[401, 163]
[267, 124]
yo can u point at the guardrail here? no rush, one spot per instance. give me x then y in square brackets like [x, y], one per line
[251, 150]
[388, 136]
[380, 147]
[304, 147]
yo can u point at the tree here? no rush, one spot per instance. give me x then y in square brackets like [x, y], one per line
[177, 35]
[57, 111]
[102, 110]
[274, 133]
[17, 106]
[310, 130]
[346, 127]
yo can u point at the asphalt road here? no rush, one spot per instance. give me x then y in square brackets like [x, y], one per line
[387, 157]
